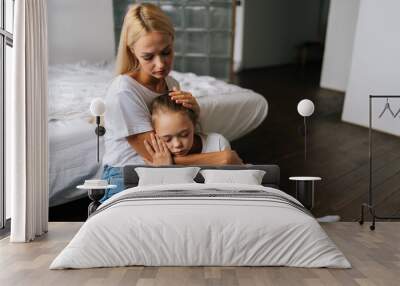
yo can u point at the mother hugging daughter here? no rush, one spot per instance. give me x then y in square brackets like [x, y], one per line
[144, 60]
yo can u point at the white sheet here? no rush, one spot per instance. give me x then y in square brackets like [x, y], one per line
[193, 231]
[72, 158]
[227, 109]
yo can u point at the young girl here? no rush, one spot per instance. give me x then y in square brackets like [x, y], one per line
[175, 136]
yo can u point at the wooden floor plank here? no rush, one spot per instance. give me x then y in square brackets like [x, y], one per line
[374, 255]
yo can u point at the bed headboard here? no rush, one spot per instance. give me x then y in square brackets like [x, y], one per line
[271, 177]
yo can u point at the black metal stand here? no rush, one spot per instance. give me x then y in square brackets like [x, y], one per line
[305, 139]
[305, 193]
[370, 206]
[100, 131]
[95, 195]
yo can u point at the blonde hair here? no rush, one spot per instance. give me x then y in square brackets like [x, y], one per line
[140, 19]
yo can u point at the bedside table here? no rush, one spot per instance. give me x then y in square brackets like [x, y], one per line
[95, 194]
[305, 187]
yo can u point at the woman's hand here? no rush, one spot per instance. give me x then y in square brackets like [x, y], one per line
[158, 151]
[186, 99]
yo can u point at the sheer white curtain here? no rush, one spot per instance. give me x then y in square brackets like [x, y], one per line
[27, 150]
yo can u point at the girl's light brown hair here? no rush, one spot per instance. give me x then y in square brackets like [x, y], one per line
[139, 20]
[165, 103]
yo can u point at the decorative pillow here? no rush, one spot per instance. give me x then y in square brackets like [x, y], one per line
[248, 177]
[163, 176]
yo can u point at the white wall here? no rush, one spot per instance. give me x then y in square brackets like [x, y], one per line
[339, 41]
[375, 67]
[238, 41]
[80, 30]
[273, 28]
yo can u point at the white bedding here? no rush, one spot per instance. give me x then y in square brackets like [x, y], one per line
[200, 231]
[227, 109]
[72, 158]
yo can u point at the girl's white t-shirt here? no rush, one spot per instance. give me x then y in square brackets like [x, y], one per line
[214, 142]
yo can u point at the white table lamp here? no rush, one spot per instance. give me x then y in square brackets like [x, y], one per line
[97, 109]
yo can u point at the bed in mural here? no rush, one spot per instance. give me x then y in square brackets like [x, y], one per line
[226, 108]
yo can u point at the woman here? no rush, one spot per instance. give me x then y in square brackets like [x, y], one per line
[144, 60]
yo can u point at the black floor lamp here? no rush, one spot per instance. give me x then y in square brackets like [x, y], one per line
[97, 108]
[305, 108]
[305, 185]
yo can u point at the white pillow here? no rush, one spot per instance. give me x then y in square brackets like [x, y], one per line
[163, 176]
[248, 177]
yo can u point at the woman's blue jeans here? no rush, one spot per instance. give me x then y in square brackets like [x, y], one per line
[114, 177]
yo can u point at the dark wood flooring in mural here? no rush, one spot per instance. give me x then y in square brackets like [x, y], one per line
[337, 151]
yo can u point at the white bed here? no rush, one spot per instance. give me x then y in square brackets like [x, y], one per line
[72, 157]
[236, 230]
[227, 109]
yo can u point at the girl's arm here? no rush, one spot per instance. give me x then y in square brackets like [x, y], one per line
[225, 157]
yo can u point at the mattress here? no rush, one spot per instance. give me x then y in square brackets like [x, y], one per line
[201, 225]
[72, 158]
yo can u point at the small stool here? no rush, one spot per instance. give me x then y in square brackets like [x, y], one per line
[305, 187]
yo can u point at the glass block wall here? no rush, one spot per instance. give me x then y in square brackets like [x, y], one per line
[204, 33]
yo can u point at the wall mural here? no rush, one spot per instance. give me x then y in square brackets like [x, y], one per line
[197, 25]
[82, 71]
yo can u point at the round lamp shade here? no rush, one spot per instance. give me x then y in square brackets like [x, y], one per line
[97, 106]
[305, 107]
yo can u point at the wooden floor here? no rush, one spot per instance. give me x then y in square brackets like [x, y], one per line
[338, 151]
[374, 255]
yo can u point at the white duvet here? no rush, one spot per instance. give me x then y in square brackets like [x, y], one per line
[200, 231]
